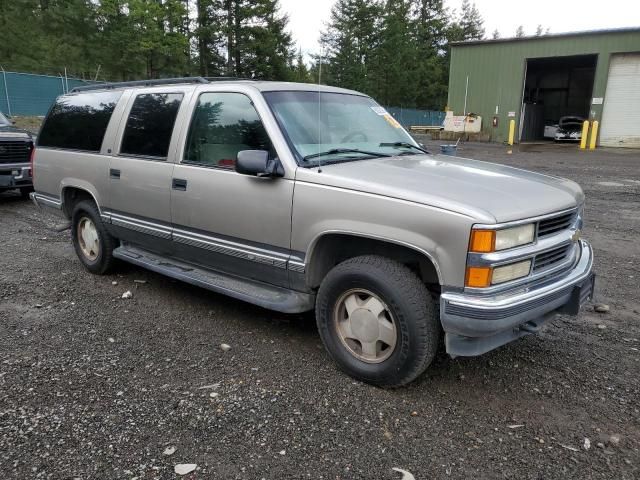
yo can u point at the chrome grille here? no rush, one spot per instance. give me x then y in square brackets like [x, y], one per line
[14, 152]
[552, 225]
[551, 258]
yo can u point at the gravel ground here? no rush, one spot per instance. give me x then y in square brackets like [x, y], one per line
[95, 386]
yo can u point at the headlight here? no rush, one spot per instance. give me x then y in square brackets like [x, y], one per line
[483, 277]
[486, 241]
[510, 272]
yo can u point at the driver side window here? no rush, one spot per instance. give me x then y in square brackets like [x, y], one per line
[223, 124]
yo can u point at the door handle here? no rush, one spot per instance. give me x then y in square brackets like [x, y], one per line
[114, 173]
[179, 184]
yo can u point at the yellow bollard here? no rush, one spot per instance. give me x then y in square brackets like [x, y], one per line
[512, 131]
[585, 133]
[594, 135]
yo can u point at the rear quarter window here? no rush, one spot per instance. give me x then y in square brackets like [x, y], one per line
[79, 121]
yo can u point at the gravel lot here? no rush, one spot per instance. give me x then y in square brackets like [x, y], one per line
[94, 386]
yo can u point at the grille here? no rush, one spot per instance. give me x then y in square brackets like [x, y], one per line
[14, 152]
[551, 258]
[553, 225]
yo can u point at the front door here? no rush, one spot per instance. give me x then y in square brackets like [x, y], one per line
[222, 219]
[140, 172]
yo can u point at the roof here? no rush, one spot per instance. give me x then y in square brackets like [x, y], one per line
[261, 85]
[543, 37]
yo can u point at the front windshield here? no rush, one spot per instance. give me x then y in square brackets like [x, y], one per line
[325, 127]
[3, 120]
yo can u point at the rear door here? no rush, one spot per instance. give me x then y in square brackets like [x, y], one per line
[141, 166]
[224, 220]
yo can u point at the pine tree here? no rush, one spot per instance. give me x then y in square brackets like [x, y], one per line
[469, 25]
[495, 35]
[256, 40]
[300, 70]
[539, 30]
[431, 63]
[349, 42]
[520, 31]
[396, 80]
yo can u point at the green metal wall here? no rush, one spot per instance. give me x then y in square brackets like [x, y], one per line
[29, 94]
[496, 72]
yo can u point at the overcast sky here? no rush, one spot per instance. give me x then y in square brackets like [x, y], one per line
[308, 17]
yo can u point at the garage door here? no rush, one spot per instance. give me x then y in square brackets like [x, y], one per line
[621, 114]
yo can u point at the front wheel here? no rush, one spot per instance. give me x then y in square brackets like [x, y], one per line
[377, 320]
[91, 241]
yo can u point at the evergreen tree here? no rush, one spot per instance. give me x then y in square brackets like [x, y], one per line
[469, 25]
[520, 31]
[495, 35]
[301, 72]
[396, 80]
[431, 62]
[539, 30]
[349, 42]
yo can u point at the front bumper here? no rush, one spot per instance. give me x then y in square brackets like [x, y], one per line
[475, 324]
[15, 176]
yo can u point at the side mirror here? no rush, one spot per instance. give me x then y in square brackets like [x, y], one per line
[258, 164]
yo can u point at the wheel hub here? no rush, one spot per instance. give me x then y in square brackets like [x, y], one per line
[365, 326]
[88, 238]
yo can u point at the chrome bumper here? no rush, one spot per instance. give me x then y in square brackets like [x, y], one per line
[17, 175]
[475, 324]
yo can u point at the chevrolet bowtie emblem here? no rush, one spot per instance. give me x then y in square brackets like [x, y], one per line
[576, 236]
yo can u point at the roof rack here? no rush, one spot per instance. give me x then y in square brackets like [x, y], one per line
[150, 83]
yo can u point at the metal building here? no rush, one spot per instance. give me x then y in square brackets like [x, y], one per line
[536, 81]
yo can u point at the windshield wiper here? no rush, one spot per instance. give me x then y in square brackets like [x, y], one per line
[335, 151]
[403, 144]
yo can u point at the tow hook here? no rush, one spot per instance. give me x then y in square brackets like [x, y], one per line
[530, 327]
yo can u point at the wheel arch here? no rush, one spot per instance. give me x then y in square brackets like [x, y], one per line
[332, 247]
[72, 193]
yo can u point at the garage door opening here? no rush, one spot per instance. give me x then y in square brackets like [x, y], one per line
[557, 97]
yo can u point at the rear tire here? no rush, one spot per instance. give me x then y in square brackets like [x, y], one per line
[91, 241]
[360, 303]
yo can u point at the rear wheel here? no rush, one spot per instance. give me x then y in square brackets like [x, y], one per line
[377, 320]
[91, 241]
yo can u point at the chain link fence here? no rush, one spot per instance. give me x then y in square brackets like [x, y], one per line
[411, 117]
[28, 94]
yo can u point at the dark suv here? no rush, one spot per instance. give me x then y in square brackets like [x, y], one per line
[15, 154]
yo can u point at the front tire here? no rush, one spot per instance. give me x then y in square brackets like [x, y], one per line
[377, 320]
[91, 241]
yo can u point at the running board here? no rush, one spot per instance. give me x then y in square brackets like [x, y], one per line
[252, 291]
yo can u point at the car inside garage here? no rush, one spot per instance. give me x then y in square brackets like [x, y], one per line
[557, 97]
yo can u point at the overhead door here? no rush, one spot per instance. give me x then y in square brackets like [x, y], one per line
[621, 114]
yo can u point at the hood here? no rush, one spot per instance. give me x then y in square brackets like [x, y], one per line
[487, 192]
[9, 131]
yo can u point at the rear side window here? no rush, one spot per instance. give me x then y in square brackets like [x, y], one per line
[150, 125]
[79, 121]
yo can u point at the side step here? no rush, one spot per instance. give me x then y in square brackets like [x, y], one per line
[252, 291]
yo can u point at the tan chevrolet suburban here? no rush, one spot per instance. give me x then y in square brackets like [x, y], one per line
[297, 197]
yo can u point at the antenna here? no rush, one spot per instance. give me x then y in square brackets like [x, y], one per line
[319, 106]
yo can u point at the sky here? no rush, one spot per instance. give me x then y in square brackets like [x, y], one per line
[308, 17]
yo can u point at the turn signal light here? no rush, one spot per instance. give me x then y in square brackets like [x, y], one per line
[478, 277]
[482, 241]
